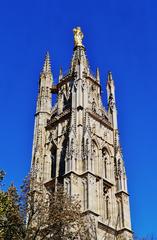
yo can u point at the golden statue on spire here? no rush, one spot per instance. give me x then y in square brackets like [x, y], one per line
[78, 36]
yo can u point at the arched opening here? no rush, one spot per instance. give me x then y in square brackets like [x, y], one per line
[94, 156]
[119, 175]
[107, 207]
[86, 155]
[53, 161]
[68, 165]
[85, 195]
[106, 163]
[75, 164]
[70, 155]
[120, 213]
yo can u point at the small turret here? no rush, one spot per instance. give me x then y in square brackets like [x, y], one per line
[45, 85]
[44, 105]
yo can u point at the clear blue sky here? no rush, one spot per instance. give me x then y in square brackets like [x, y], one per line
[120, 36]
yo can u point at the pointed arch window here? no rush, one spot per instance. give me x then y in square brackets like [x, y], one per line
[120, 214]
[70, 155]
[53, 161]
[75, 164]
[107, 207]
[106, 168]
[86, 155]
[94, 156]
[68, 164]
[85, 195]
[92, 164]
[119, 175]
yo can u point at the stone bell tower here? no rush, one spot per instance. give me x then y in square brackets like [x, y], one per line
[76, 142]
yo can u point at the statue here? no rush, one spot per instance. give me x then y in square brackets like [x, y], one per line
[78, 36]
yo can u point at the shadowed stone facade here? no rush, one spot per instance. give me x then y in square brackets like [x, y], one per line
[76, 142]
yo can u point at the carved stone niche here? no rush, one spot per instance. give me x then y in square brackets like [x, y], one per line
[106, 186]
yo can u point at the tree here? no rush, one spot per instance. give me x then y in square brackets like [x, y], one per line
[54, 215]
[34, 215]
[10, 220]
[2, 174]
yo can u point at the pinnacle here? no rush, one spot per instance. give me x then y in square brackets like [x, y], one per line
[60, 73]
[47, 64]
[97, 74]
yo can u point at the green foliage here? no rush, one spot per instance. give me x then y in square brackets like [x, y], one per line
[11, 223]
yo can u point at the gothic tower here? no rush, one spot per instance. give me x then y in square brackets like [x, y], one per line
[76, 141]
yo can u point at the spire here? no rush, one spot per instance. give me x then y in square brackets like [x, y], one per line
[79, 56]
[46, 71]
[45, 87]
[47, 64]
[97, 75]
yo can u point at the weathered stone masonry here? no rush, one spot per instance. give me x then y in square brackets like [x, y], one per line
[76, 141]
